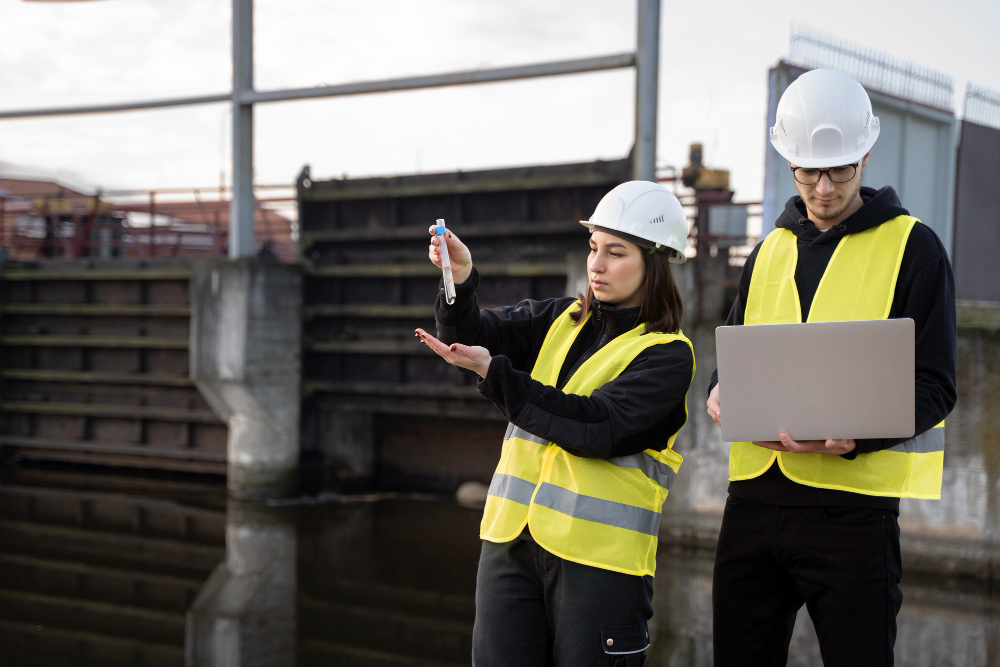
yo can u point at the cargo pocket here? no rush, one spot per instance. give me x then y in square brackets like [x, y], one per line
[624, 645]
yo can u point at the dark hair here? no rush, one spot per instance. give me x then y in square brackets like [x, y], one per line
[662, 308]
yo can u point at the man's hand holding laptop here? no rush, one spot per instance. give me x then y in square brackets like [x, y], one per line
[786, 444]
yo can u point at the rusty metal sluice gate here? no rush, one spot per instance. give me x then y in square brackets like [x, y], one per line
[95, 368]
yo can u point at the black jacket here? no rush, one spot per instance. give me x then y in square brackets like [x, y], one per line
[925, 292]
[638, 410]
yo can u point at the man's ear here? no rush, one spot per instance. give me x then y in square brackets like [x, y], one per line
[864, 160]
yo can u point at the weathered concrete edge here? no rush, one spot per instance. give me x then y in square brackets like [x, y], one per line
[924, 552]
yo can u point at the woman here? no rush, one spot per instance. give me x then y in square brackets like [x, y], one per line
[594, 390]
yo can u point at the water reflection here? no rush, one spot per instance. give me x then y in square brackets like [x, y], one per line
[98, 570]
[245, 613]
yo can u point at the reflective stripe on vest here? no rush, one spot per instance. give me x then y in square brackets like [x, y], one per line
[599, 512]
[858, 284]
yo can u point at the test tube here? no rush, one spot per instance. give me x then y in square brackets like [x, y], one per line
[449, 280]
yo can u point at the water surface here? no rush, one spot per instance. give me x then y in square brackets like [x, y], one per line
[111, 570]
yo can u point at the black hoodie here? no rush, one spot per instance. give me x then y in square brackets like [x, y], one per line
[925, 292]
[640, 409]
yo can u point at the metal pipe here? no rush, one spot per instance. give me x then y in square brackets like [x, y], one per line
[558, 68]
[647, 61]
[241, 206]
[110, 108]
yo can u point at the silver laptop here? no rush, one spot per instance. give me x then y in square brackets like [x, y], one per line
[816, 380]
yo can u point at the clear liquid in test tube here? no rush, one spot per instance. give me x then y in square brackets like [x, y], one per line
[449, 280]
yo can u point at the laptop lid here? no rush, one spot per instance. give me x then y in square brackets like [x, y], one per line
[817, 380]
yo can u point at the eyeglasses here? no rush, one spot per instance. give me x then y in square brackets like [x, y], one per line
[809, 176]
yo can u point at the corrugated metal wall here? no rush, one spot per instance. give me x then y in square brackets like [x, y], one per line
[915, 154]
[977, 214]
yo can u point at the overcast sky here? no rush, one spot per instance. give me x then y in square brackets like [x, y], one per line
[713, 81]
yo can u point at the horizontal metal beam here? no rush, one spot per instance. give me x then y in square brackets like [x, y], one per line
[74, 275]
[97, 309]
[91, 377]
[110, 411]
[558, 68]
[490, 75]
[428, 270]
[111, 108]
[123, 342]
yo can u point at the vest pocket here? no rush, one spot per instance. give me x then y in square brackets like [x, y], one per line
[624, 645]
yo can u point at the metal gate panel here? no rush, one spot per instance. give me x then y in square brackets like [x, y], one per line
[977, 214]
[368, 284]
[94, 367]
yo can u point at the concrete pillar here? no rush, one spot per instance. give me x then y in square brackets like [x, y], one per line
[246, 342]
[246, 613]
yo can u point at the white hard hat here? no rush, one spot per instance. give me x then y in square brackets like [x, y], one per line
[824, 119]
[647, 212]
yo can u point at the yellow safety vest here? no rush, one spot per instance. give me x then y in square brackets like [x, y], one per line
[599, 512]
[858, 284]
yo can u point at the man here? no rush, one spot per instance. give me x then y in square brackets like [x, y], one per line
[815, 522]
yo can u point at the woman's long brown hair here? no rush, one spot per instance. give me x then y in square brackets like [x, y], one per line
[662, 308]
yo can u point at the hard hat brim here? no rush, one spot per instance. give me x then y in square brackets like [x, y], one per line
[674, 256]
[824, 163]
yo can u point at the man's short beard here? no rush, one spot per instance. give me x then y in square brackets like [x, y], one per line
[832, 214]
[848, 199]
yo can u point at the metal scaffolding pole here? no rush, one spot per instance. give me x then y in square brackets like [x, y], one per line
[460, 78]
[241, 206]
[487, 75]
[647, 69]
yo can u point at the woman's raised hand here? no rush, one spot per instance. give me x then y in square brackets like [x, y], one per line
[474, 358]
[461, 258]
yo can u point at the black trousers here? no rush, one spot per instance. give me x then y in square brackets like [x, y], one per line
[534, 609]
[843, 563]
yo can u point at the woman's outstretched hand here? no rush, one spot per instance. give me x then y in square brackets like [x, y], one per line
[476, 359]
[458, 252]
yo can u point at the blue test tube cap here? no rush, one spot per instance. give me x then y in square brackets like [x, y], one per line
[439, 230]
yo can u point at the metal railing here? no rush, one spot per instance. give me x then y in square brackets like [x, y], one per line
[875, 70]
[141, 224]
[981, 105]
